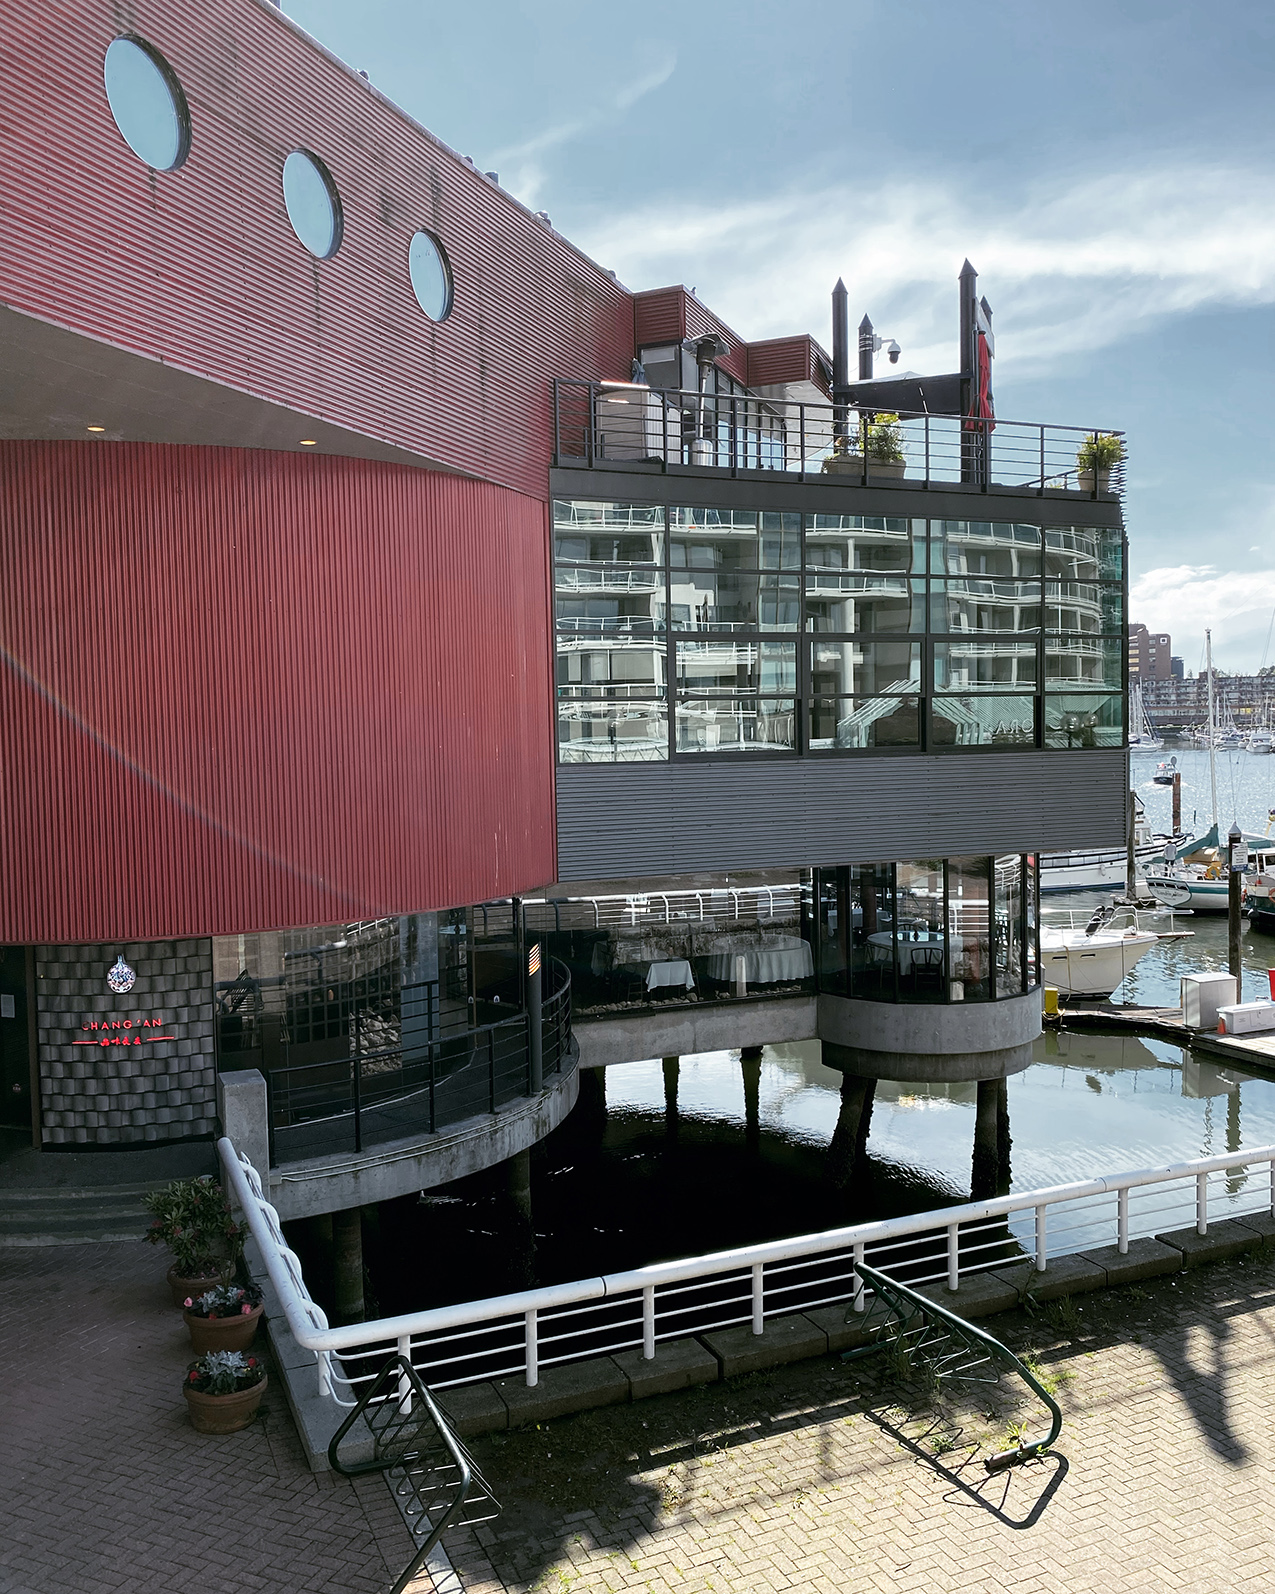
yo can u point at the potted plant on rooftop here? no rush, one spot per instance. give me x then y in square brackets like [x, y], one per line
[193, 1219]
[223, 1318]
[1096, 457]
[845, 459]
[223, 1390]
[884, 446]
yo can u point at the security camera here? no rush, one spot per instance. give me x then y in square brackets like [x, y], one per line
[894, 351]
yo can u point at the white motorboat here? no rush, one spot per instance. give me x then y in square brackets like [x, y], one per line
[1261, 742]
[1106, 868]
[1092, 961]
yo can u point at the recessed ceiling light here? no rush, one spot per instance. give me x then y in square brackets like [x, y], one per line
[96, 428]
[309, 442]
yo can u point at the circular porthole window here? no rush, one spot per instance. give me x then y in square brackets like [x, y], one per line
[431, 276]
[147, 103]
[314, 207]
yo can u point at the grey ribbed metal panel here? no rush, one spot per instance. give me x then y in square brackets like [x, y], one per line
[651, 819]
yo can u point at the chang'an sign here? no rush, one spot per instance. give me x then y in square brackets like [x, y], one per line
[122, 1032]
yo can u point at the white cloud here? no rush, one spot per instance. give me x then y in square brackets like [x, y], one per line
[1184, 600]
[1077, 266]
[523, 164]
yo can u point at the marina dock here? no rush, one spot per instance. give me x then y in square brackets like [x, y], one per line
[1166, 1023]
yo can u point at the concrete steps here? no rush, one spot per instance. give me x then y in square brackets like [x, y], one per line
[73, 1217]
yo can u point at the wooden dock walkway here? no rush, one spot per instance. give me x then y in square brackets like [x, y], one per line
[1255, 1052]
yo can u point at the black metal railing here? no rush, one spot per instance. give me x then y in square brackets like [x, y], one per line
[600, 424]
[418, 1087]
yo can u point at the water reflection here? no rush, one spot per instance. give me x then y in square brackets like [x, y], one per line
[701, 1154]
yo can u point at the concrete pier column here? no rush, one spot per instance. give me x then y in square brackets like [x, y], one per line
[672, 1074]
[985, 1171]
[518, 1177]
[750, 1068]
[589, 1116]
[1004, 1140]
[347, 1265]
[850, 1137]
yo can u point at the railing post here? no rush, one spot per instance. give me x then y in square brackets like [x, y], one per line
[759, 1298]
[405, 1383]
[358, 1103]
[535, 1024]
[801, 441]
[953, 1256]
[1273, 1184]
[491, 1068]
[533, 1348]
[860, 1296]
[325, 1374]
[1040, 491]
[1122, 1219]
[927, 450]
[1201, 1203]
[433, 1071]
[1042, 1215]
[648, 1323]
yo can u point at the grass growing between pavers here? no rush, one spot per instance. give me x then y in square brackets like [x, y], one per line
[727, 1486]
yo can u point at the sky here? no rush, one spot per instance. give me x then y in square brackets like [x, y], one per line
[1107, 167]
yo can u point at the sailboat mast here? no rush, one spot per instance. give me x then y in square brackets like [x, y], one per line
[1208, 665]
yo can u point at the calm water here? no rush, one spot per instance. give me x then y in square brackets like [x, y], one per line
[638, 1187]
[634, 1185]
[1245, 789]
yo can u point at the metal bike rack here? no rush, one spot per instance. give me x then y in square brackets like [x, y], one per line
[433, 1476]
[953, 1352]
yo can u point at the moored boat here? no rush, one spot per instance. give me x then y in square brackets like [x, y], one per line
[1094, 960]
[1164, 772]
[1106, 868]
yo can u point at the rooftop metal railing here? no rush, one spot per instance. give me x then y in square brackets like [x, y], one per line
[615, 423]
[517, 1335]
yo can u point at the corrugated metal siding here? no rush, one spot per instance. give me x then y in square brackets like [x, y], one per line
[243, 689]
[657, 819]
[659, 316]
[667, 315]
[200, 267]
[779, 360]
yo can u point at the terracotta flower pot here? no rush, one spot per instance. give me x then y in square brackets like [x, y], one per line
[223, 1413]
[184, 1288]
[222, 1333]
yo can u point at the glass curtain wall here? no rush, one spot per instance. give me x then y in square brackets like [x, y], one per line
[694, 632]
[931, 930]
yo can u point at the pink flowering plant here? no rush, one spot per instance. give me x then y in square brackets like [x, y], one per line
[193, 1219]
[226, 1300]
[224, 1372]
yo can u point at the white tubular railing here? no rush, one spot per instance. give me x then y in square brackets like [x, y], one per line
[519, 1335]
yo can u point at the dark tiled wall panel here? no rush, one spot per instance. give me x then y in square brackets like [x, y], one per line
[134, 1089]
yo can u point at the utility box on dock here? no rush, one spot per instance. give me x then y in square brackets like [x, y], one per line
[1204, 996]
[1246, 1018]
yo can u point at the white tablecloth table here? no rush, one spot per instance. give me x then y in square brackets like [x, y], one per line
[910, 952]
[676, 971]
[766, 966]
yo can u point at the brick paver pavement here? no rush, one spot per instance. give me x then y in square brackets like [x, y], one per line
[104, 1485]
[808, 1478]
[820, 1476]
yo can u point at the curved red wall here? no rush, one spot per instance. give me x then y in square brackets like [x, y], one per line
[241, 690]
